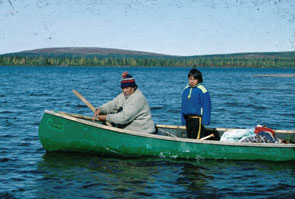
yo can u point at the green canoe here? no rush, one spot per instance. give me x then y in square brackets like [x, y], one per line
[67, 132]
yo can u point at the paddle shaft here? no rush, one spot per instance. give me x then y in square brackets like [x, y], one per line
[207, 137]
[84, 100]
[87, 103]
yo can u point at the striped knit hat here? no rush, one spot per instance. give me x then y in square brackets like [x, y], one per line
[127, 80]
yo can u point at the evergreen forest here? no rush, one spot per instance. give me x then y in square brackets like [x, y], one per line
[266, 60]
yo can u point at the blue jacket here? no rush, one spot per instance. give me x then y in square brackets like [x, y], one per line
[196, 101]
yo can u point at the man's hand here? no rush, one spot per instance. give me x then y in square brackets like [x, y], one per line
[95, 114]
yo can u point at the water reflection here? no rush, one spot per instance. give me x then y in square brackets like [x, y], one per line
[192, 179]
[94, 176]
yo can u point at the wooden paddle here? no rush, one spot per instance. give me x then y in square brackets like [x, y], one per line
[84, 100]
[87, 103]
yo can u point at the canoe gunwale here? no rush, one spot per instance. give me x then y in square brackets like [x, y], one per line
[154, 136]
[221, 129]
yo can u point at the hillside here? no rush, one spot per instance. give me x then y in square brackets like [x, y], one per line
[95, 51]
[86, 51]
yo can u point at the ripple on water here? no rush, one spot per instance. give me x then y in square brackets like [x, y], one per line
[5, 159]
[6, 112]
[7, 195]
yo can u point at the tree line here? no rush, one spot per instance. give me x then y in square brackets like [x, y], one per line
[167, 61]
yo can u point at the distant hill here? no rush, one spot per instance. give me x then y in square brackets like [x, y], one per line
[95, 51]
[73, 56]
[87, 51]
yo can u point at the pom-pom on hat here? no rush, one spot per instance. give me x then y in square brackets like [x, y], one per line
[127, 80]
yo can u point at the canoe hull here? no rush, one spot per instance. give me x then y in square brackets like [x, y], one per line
[58, 132]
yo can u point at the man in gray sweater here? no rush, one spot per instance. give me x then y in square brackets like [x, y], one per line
[129, 110]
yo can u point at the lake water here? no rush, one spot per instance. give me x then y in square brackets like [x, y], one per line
[239, 99]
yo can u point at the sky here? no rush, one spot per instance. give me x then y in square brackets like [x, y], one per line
[173, 27]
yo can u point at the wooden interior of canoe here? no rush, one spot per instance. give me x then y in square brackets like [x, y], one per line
[180, 131]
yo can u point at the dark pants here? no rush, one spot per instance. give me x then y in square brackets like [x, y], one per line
[194, 128]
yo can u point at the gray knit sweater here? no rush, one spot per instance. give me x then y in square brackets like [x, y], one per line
[131, 113]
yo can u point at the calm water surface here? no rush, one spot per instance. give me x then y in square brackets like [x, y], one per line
[239, 99]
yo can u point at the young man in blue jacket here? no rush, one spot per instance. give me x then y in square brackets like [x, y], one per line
[195, 106]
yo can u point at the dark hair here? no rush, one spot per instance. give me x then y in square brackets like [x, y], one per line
[196, 74]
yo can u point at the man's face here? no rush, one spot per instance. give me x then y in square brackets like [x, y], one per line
[128, 91]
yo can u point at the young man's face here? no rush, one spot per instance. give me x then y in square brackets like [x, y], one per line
[192, 81]
[128, 91]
